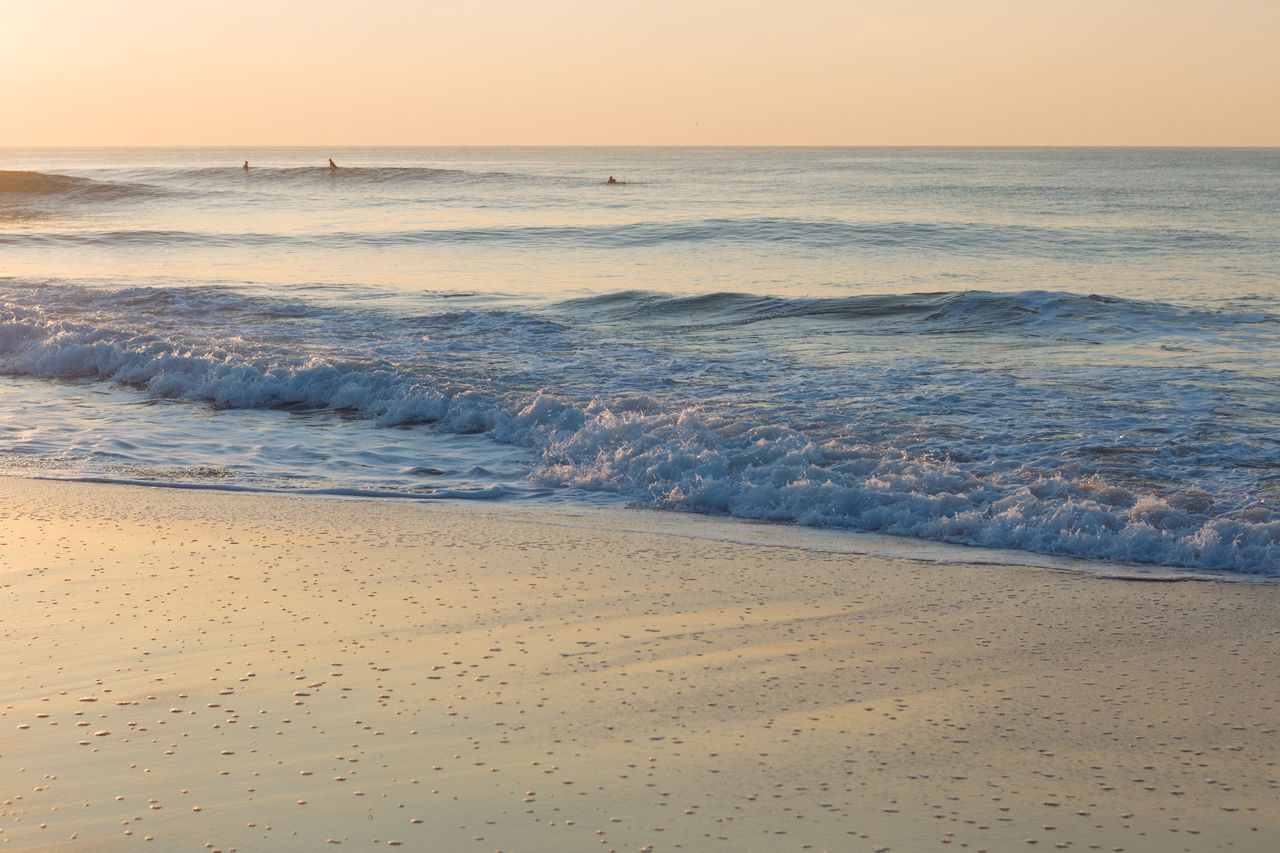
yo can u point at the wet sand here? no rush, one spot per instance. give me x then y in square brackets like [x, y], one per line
[194, 670]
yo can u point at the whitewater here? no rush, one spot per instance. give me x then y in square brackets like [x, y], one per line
[1069, 352]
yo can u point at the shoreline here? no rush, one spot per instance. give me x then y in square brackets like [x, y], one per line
[721, 528]
[196, 666]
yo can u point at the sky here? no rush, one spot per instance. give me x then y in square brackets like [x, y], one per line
[640, 72]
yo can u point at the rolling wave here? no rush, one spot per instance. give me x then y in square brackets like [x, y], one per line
[1035, 312]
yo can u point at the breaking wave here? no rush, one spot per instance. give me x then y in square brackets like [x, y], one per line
[564, 384]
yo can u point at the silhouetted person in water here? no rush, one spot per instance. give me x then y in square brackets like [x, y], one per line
[611, 180]
[246, 165]
[332, 165]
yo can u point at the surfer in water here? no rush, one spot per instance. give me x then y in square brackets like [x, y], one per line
[246, 165]
[613, 180]
[332, 165]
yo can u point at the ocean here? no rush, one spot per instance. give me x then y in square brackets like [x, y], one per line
[1067, 353]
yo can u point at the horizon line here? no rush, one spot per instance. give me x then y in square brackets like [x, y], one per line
[1090, 146]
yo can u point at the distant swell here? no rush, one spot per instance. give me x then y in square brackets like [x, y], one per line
[38, 185]
[954, 239]
[221, 178]
[153, 182]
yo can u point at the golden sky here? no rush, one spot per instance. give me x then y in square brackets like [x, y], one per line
[640, 72]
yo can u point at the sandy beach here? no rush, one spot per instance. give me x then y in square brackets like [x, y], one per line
[201, 670]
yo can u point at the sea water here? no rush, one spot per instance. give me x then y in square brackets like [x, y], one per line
[1067, 352]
